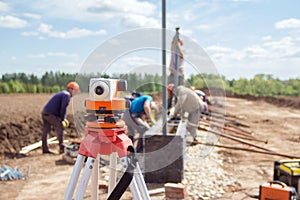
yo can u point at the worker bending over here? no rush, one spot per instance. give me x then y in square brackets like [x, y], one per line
[187, 101]
[202, 96]
[54, 114]
[138, 117]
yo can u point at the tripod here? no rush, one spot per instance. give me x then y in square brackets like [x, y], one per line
[102, 138]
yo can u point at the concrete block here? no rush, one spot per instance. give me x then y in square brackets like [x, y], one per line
[164, 159]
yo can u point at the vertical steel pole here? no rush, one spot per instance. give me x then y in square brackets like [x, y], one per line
[164, 74]
[176, 63]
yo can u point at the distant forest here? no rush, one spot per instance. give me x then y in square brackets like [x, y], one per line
[51, 82]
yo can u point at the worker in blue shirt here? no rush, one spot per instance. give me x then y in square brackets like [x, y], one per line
[54, 114]
[138, 116]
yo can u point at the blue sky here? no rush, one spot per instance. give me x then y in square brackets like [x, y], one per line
[242, 37]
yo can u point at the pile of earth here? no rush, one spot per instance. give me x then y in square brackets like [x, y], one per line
[293, 102]
[21, 123]
[17, 134]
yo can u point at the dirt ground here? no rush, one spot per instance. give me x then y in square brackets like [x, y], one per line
[278, 125]
[20, 125]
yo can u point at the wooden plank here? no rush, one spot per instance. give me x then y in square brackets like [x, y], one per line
[33, 146]
[156, 191]
[56, 142]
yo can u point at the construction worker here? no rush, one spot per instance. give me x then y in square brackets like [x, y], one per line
[176, 53]
[54, 114]
[202, 96]
[204, 108]
[176, 65]
[187, 102]
[138, 116]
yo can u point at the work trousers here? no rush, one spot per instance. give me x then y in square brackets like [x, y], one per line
[48, 121]
[193, 120]
[135, 123]
[172, 79]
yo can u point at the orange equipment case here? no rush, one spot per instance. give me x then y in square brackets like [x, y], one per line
[276, 190]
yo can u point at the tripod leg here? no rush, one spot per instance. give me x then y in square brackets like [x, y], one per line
[141, 182]
[85, 178]
[136, 186]
[95, 180]
[135, 190]
[74, 177]
[112, 172]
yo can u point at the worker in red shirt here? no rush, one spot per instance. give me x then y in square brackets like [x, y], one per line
[54, 114]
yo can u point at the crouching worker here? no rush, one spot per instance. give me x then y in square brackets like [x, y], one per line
[54, 114]
[187, 101]
[202, 96]
[138, 117]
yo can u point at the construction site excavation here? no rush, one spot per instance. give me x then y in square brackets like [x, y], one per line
[255, 133]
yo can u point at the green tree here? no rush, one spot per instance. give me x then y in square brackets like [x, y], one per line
[242, 86]
[16, 86]
[4, 88]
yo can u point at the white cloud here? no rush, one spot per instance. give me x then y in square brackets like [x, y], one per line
[32, 33]
[266, 38]
[67, 67]
[256, 51]
[121, 7]
[244, 0]
[224, 53]
[53, 54]
[70, 67]
[283, 47]
[216, 48]
[77, 33]
[187, 32]
[203, 27]
[32, 16]
[130, 12]
[12, 22]
[269, 56]
[137, 60]
[73, 33]
[288, 23]
[133, 20]
[133, 63]
[4, 7]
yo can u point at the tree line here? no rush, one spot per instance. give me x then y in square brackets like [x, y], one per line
[259, 85]
[51, 82]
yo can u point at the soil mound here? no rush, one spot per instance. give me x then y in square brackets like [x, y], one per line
[18, 134]
[293, 102]
[21, 123]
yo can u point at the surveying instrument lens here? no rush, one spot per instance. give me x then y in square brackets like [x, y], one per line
[99, 90]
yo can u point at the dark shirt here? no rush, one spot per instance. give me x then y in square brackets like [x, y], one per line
[58, 104]
[137, 105]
